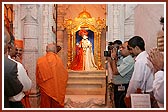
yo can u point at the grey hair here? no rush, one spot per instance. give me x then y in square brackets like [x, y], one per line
[51, 48]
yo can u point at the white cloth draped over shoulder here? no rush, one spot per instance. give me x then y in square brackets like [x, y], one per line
[24, 79]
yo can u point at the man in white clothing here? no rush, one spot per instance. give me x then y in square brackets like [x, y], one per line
[157, 59]
[158, 88]
[143, 68]
[22, 76]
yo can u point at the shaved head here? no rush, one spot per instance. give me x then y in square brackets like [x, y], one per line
[51, 48]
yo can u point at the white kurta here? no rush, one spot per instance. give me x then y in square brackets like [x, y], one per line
[24, 79]
[142, 76]
[158, 88]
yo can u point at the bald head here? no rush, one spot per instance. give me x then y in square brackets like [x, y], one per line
[51, 48]
[6, 40]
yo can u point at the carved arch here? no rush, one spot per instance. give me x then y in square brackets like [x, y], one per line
[84, 21]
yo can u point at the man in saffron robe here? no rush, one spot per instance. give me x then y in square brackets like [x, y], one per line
[51, 77]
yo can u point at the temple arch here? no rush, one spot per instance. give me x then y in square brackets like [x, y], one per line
[84, 21]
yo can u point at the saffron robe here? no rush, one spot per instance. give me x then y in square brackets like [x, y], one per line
[25, 100]
[51, 77]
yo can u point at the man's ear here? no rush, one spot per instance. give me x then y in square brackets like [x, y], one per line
[137, 48]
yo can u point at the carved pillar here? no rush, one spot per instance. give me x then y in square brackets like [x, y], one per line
[116, 22]
[129, 20]
[109, 23]
[69, 49]
[30, 35]
[120, 20]
[114, 19]
[8, 17]
[26, 28]
[99, 51]
[99, 26]
[61, 38]
[47, 21]
[68, 26]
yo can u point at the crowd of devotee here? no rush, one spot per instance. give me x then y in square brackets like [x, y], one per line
[131, 69]
[134, 70]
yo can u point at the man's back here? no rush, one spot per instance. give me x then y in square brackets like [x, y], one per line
[12, 86]
[142, 76]
[51, 77]
[144, 72]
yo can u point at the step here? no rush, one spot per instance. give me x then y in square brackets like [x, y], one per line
[84, 101]
[84, 84]
[92, 73]
[85, 91]
[87, 76]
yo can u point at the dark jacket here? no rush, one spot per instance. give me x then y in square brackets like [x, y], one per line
[12, 86]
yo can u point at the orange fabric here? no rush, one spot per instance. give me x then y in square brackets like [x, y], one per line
[48, 102]
[25, 102]
[51, 76]
[19, 43]
[77, 63]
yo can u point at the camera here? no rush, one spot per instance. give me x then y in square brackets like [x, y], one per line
[107, 53]
[110, 47]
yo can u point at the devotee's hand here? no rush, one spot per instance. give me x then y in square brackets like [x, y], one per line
[114, 53]
[27, 92]
[108, 59]
[157, 59]
[18, 59]
[127, 101]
